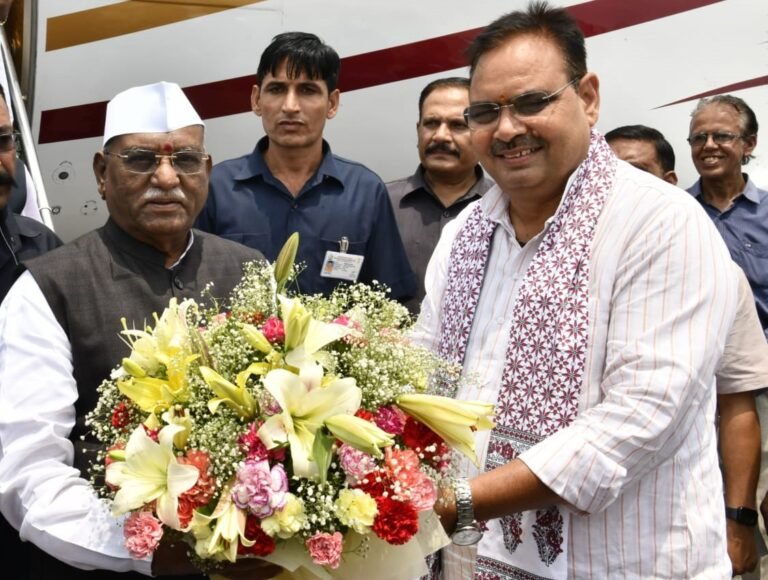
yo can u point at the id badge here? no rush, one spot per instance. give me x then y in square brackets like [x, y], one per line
[341, 266]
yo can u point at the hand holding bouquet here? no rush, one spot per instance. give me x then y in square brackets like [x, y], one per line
[304, 430]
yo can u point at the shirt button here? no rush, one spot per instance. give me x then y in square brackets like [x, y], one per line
[178, 283]
[295, 206]
[747, 245]
[446, 214]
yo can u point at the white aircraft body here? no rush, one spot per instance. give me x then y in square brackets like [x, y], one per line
[654, 58]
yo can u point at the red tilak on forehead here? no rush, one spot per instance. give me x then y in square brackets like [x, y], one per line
[167, 148]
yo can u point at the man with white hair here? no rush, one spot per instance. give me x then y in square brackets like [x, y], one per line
[60, 323]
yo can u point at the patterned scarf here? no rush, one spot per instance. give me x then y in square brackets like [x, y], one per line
[546, 352]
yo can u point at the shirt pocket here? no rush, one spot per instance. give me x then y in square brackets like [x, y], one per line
[755, 262]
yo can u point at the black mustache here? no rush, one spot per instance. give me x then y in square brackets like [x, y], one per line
[522, 142]
[441, 148]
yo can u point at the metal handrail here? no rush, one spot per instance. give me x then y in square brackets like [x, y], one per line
[20, 111]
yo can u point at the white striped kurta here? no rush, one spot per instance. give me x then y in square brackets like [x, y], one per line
[638, 467]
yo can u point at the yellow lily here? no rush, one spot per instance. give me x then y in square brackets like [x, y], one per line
[236, 396]
[359, 433]
[150, 472]
[304, 409]
[220, 542]
[452, 420]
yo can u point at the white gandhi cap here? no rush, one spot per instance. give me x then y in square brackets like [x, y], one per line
[156, 108]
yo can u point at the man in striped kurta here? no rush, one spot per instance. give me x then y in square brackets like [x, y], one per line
[589, 301]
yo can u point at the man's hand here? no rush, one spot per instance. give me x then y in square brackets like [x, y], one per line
[742, 549]
[445, 507]
[171, 559]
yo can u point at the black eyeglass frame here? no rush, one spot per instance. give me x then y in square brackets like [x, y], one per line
[513, 104]
[15, 142]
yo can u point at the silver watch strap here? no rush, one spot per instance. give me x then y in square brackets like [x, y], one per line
[465, 512]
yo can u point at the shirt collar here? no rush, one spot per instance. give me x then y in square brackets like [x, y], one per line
[256, 166]
[417, 182]
[750, 191]
[130, 245]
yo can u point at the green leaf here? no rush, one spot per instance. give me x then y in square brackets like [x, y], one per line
[321, 452]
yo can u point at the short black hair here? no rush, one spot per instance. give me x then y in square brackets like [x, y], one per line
[664, 151]
[447, 82]
[302, 53]
[539, 19]
[2, 95]
[748, 117]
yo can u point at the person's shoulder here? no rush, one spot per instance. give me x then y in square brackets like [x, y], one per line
[231, 167]
[645, 192]
[348, 167]
[221, 246]
[31, 228]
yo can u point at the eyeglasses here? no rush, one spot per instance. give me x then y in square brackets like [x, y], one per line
[719, 137]
[8, 141]
[486, 115]
[146, 162]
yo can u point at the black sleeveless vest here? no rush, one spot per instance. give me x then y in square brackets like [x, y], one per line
[93, 282]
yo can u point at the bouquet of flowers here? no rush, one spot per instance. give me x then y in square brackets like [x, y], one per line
[305, 430]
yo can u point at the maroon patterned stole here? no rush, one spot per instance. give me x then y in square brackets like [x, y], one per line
[547, 347]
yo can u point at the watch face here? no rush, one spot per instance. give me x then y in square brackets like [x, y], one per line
[467, 536]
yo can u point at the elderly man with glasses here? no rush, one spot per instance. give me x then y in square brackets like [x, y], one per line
[60, 323]
[723, 135]
[585, 300]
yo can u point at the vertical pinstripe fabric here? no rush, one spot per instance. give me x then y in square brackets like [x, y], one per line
[639, 465]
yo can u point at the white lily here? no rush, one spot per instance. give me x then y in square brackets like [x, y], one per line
[304, 408]
[150, 472]
[305, 338]
[452, 420]
[229, 529]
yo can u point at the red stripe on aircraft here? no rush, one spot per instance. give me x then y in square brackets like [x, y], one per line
[759, 81]
[434, 55]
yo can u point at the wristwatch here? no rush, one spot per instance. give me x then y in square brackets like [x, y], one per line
[467, 531]
[742, 515]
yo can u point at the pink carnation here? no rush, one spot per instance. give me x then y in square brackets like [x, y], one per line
[325, 549]
[390, 419]
[274, 330]
[142, 532]
[423, 494]
[252, 444]
[355, 463]
[260, 489]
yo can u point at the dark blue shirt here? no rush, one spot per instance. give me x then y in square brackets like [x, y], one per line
[744, 227]
[247, 204]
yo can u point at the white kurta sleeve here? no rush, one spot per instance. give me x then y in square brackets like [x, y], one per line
[41, 493]
[669, 310]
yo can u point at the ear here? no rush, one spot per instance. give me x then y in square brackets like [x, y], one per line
[749, 144]
[100, 171]
[670, 177]
[209, 165]
[255, 93]
[589, 93]
[333, 103]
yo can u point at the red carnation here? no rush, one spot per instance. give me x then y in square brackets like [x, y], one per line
[121, 416]
[375, 483]
[397, 521]
[419, 437]
[364, 414]
[202, 492]
[264, 545]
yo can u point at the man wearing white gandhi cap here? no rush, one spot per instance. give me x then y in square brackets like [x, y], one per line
[59, 330]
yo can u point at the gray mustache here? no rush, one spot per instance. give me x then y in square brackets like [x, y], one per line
[175, 194]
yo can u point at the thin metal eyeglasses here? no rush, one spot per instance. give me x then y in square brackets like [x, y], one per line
[9, 141]
[486, 115]
[719, 137]
[146, 162]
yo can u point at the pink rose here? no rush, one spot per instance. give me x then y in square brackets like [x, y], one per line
[142, 532]
[274, 330]
[325, 549]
